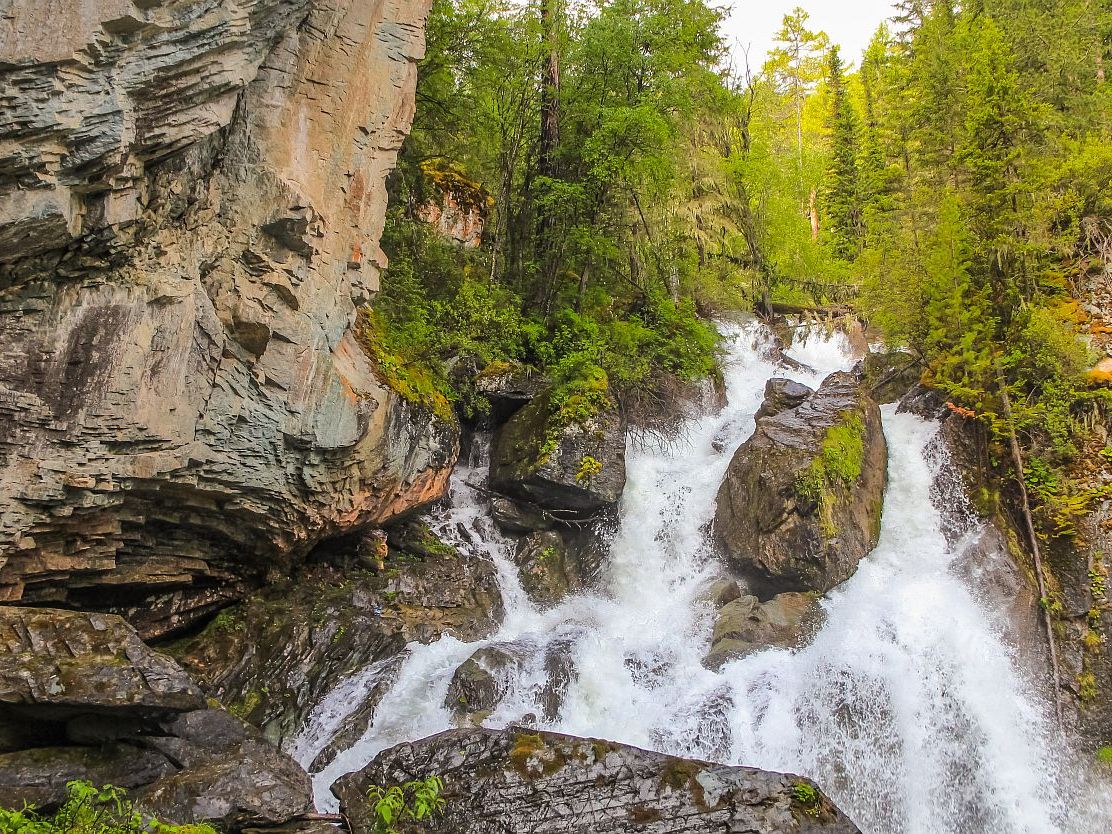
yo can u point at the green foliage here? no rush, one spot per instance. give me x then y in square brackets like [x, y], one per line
[588, 468]
[843, 190]
[807, 796]
[91, 810]
[838, 466]
[413, 801]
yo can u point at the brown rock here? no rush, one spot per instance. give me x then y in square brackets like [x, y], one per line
[184, 404]
[802, 499]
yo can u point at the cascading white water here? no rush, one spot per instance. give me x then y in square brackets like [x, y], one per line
[907, 706]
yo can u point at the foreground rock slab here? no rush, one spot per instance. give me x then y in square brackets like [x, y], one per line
[67, 661]
[802, 499]
[514, 780]
[81, 697]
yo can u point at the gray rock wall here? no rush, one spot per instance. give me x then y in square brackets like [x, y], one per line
[191, 198]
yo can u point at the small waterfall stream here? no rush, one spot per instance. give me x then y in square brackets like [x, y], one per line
[907, 706]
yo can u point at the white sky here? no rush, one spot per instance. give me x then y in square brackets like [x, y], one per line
[753, 23]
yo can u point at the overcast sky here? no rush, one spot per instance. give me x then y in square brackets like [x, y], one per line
[753, 23]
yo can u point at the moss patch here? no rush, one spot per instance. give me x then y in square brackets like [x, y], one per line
[407, 376]
[532, 758]
[837, 467]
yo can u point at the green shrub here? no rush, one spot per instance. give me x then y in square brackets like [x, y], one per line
[414, 801]
[91, 810]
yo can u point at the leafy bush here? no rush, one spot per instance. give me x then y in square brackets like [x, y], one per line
[91, 810]
[414, 801]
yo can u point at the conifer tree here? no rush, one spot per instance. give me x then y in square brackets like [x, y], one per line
[842, 194]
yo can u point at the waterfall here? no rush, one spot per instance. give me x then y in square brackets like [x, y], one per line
[908, 706]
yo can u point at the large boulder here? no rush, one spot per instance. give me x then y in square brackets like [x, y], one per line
[548, 567]
[64, 663]
[801, 502]
[193, 194]
[746, 625]
[507, 386]
[573, 468]
[107, 709]
[512, 780]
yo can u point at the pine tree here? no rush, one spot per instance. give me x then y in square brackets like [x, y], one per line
[842, 192]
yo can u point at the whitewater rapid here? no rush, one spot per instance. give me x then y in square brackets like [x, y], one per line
[908, 706]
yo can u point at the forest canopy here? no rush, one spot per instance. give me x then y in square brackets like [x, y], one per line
[635, 178]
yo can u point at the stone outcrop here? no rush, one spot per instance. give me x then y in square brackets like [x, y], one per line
[516, 780]
[191, 197]
[578, 468]
[272, 658]
[745, 625]
[509, 386]
[801, 502]
[81, 697]
[889, 375]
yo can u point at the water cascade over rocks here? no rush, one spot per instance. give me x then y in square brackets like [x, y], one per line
[907, 705]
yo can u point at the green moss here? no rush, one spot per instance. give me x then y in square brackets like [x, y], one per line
[531, 757]
[227, 620]
[808, 797]
[409, 377]
[1087, 686]
[1104, 756]
[250, 702]
[573, 402]
[837, 467]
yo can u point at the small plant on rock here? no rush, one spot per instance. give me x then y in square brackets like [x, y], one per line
[588, 467]
[807, 795]
[91, 810]
[413, 801]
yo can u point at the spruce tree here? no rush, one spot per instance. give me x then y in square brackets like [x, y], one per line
[842, 195]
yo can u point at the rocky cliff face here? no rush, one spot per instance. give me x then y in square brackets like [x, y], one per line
[191, 197]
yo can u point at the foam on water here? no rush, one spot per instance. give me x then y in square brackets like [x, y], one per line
[907, 706]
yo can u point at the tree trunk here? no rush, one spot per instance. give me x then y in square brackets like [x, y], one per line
[814, 206]
[547, 162]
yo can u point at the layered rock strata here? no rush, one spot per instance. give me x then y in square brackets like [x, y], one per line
[81, 697]
[191, 197]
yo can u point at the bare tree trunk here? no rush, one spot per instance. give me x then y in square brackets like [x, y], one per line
[814, 215]
[547, 163]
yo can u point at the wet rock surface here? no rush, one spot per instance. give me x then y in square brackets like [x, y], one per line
[95, 703]
[195, 193]
[517, 780]
[744, 625]
[782, 395]
[59, 663]
[508, 387]
[274, 656]
[801, 502]
[578, 471]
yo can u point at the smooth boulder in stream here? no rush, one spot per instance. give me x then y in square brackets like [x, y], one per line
[801, 502]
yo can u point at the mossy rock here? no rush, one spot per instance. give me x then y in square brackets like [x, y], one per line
[576, 466]
[802, 499]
